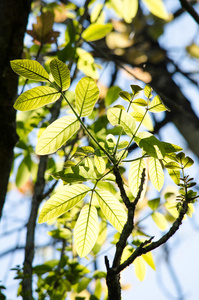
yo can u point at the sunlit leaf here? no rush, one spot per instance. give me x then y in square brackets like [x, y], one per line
[112, 209]
[100, 164]
[86, 95]
[172, 165]
[129, 10]
[150, 144]
[64, 199]
[61, 73]
[157, 8]
[135, 174]
[86, 230]
[140, 102]
[97, 15]
[96, 31]
[36, 97]
[75, 174]
[160, 220]
[154, 203]
[125, 95]
[169, 148]
[140, 268]
[156, 173]
[112, 95]
[148, 91]
[56, 134]
[175, 175]
[30, 69]
[157, 105]
[117, 116]
[146, 118]
[148, 257]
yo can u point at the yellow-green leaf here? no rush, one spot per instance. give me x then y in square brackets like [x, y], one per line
[160, 220]
[157, 8]
[175, 175]
[148, 257]
[118, 116]
[172, 165]
[129, 10]
[55, 135]
[157, 105]
[156, 173]
[140, 268]
[125, 95]
[96, 31]
[86, 95]
[61, 73]
[30, 69]
[36, 97]
[147, 122]
[112, 209]
[140, 102]
[150, 144]
[135, 174]
[86, 230]
[64, 199]
[100, 164]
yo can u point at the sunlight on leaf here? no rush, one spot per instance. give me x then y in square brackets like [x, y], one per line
[157, 8]
[100, 164]
[86, 230]
[64, 199]
[135, 174]
[160, 220]
[96, 32]
[61, 73]
[140, 268]
[156, 173]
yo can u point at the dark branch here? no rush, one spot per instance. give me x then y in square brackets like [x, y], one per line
[187, 6]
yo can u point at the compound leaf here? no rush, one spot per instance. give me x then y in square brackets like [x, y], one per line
[61, 73]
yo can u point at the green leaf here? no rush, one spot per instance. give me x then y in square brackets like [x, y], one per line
[129, 10]
[140, 113]
[30, 69]
[75, 174]
[100, 164]
[83, 283]
[156, 173]
[86, 230]
[135, 174]
[150, 144]
[136, 89]
[169, 148]
[140, 268]
[64, 199]
[175, 175]
[154, 203]
[36, 97]
[111, 208]
[112, 95]
[61, 73]
[157, 105]
[172, 165]
[160, 220]
[96, 32]
[157, 8]
[148, 257]
[86, 95]
[24, 171]
[185, 161]
[140, 102]
[118, 116]
[148, 91]
[122, 145]
[125, 95]
[55, 135]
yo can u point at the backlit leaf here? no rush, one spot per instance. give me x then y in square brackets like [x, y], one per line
[86, 230]
[140, 102]
[156, 173]
[150, 144]
[61, 73]
[112, 209]
[146, 118]
[125, 95]
[135, 174]
[160, 220]
[173, 165]
[157, 105]
[30, 69]
[157, 8]
[148, 257]
[96, 31]
[169, 148]
[36, 97]
[100, 164]
[129, 10]
[56, 134]
[175, 175]
[117, 116]
[140, 268]
[64, 199]
[86, 95]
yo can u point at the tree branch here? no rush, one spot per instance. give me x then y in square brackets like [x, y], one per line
[187, 6]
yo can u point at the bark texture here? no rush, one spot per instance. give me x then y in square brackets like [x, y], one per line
[13, 22]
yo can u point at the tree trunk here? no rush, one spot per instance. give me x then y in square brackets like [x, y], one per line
[13, 22]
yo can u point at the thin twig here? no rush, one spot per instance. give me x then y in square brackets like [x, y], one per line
[187, 6]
